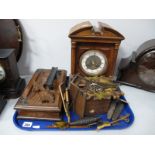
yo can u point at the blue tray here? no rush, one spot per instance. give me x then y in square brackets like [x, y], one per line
[41, 125]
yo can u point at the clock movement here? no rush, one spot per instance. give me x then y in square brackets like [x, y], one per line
[92, 96]
[94, 50]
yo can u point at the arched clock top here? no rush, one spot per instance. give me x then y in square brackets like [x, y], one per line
[87, 30]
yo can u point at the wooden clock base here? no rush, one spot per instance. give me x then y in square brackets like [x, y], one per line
[15, 91]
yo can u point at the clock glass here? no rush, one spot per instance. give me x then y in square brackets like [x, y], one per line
[2, 73]
[146, 68]
[93, 63]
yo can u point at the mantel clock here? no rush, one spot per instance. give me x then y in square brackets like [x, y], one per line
[94, 49]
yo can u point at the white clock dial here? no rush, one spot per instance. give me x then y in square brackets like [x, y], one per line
[93, 63]
[2, 73]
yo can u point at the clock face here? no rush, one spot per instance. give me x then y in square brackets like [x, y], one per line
[93, 63]
[146, 68]
[2, 73]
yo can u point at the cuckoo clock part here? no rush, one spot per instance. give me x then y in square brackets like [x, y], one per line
[41, 100]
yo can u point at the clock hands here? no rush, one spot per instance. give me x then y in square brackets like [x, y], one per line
[93, 64]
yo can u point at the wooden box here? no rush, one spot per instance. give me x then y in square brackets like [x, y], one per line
[83, 105]
[38, 102]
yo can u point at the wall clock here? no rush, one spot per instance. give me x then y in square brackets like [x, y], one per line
[94, 50]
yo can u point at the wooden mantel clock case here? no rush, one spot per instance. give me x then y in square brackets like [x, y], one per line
[94, 50]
